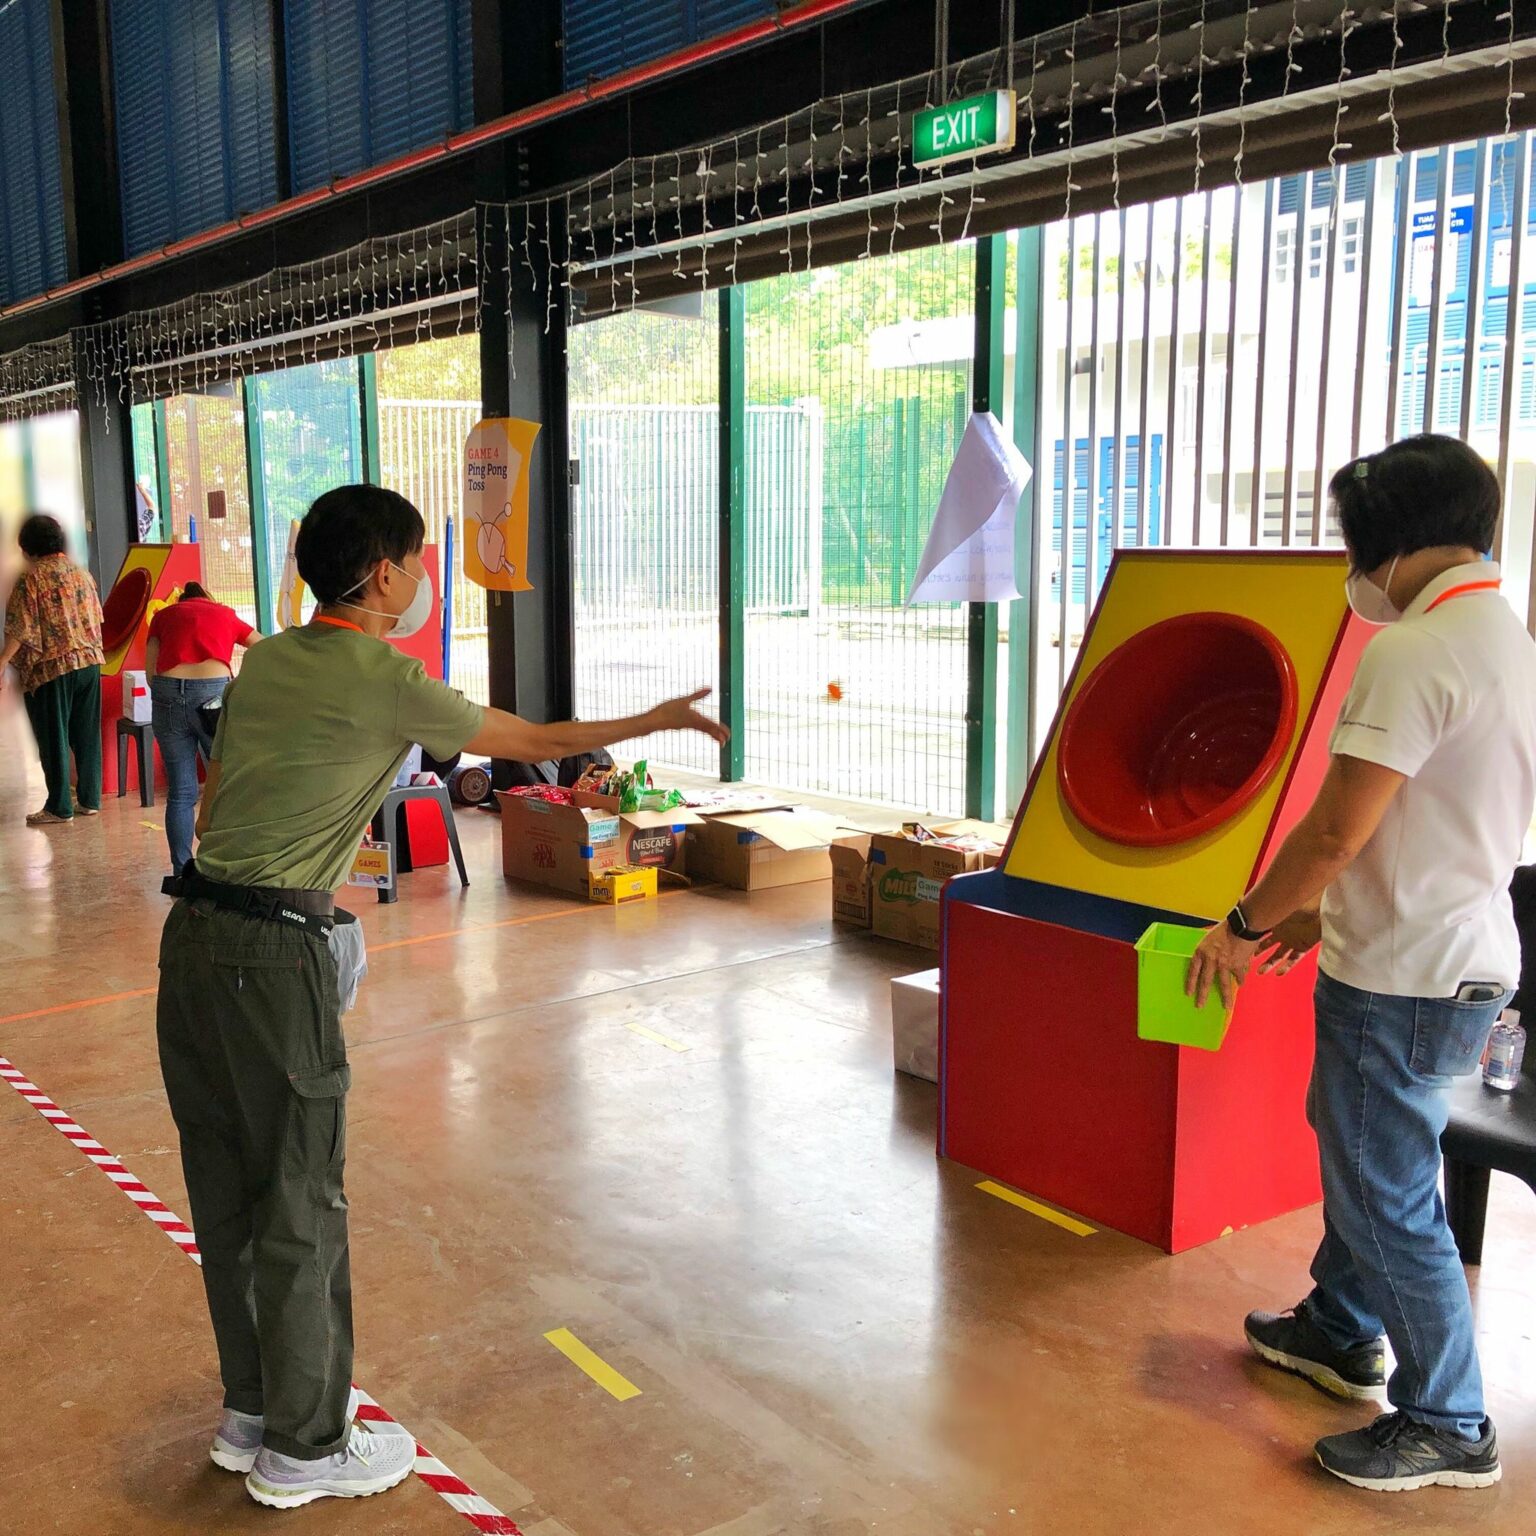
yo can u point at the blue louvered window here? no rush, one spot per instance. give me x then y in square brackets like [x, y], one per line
[195, 132]
[32, 253]
[604, 36]
[372, 79]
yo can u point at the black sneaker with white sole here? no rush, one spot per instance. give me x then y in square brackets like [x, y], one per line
[1397, 1454]
[1291, 1341]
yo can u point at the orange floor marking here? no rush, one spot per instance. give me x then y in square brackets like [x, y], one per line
[373, 949]
[506, 922]
[88, 1002]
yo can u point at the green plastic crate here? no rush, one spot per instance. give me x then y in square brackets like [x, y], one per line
[1163, 1011]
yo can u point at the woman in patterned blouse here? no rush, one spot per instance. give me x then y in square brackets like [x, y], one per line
[53, 638]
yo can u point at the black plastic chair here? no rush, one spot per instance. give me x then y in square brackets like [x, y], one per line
[142, 732]
[389, 827]
[1488, 1130]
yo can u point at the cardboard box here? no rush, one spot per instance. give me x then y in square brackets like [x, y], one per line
[560, 846]
[620, 885]
[915, 1024]
[755, 850]
[851, 879]
[137, 705]
[907, 876]
[649, 839]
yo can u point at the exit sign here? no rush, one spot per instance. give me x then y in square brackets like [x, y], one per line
[976, 126]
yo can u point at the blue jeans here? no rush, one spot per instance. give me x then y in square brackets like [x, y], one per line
[180, 735]
[1387, 1262]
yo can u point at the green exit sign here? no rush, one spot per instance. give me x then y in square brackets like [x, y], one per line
[976, 126]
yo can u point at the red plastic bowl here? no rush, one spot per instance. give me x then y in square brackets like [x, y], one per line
[1177, 730]
[125, 606]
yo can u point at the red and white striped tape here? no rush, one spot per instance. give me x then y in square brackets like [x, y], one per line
[454, 1491]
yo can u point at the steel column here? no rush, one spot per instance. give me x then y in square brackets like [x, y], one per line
[733, 530]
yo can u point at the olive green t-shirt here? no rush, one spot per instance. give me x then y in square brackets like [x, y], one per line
[311, 736]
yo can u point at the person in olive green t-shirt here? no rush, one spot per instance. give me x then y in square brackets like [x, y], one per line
[297, 791]
[312, 734]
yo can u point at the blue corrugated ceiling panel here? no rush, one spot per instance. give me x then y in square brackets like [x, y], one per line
[194, 94]
[32, 253]
[716, 16]
[372, 79]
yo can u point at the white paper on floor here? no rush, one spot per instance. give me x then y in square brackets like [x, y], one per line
[969, 553]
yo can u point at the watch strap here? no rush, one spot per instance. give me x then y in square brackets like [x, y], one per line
[1237, 921]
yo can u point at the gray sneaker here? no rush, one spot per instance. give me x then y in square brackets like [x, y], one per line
[1397, 1454]
[238, 1437]
[372, 1462]
[1291, 1341]
[236, 1441]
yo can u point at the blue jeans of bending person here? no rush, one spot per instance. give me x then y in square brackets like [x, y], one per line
[1379, 1100]
[181, 737]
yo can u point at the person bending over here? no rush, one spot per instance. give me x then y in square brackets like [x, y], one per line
[314, 731]
[189, 657]
[1401, 869]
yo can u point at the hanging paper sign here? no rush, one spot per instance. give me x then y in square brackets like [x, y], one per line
[374, 866]
[969, 553]
[218, 508]
[290, 586]
[495, 527]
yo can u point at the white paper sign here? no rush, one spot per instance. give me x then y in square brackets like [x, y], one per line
[969, 554]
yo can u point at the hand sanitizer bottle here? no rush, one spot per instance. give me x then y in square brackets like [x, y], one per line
[1505, 1052]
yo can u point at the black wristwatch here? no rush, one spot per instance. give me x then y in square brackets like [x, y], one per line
[1237, 921]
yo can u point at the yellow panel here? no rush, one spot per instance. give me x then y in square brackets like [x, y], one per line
[152, 558]
[1300, 599]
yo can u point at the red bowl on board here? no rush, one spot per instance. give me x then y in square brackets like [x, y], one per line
[125, 606]
[1176, 730]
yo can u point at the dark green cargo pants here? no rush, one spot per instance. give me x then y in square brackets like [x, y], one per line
[66, 719]
[256, 1072]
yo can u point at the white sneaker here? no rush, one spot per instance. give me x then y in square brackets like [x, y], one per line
[238, 1437]
[371, 1463]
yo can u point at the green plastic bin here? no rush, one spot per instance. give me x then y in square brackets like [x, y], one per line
[1163, 1011]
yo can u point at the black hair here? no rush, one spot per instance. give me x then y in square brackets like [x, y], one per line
[193, 589]
[1424, 492]
[41, 535]
[348, 531]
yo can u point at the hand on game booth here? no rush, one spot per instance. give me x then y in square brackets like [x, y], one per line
[1222, 961]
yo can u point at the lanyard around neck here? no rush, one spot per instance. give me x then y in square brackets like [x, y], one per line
[1464, 590]
[321, 618]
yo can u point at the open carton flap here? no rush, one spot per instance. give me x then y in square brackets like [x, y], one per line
[648, 821]
[717, 803]
[789, 830]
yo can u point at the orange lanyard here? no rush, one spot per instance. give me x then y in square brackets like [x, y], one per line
[321, 618]
[1462, 591]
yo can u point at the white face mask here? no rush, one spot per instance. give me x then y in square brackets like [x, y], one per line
[415, 614]
[1370, 602]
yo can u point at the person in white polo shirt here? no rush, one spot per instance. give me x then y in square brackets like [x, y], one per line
[1401, 869]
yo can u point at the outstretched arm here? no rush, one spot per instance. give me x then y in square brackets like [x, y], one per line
[508, 736]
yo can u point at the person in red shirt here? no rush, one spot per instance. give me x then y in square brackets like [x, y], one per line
[191, 647]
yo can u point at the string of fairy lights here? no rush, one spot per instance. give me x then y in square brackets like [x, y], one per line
[1087, 89]
[384, 292]
[37, 379]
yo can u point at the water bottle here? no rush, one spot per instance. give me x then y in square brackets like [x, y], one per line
[1505, 1052]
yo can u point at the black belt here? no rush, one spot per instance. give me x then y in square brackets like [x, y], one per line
[313, 911]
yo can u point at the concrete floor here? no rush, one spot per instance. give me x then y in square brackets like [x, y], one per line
[833, 1334]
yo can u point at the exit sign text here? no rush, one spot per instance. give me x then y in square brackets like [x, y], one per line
[978, 125]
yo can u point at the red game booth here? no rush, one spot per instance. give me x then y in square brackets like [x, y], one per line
[1192, 736]
[150, 578]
